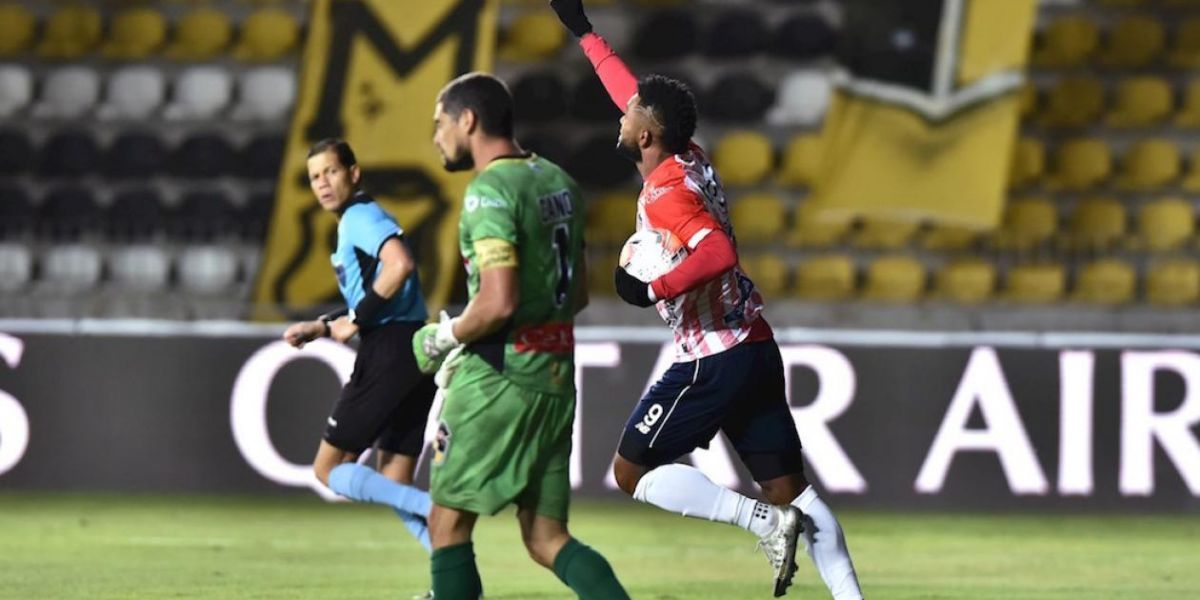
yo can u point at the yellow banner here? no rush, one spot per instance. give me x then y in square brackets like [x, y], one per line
[371, 71]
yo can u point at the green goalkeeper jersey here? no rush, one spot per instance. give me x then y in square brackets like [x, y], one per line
[532, 204]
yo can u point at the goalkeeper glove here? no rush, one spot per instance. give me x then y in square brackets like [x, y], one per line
[631, 289]
[570, 12]
[433, 342]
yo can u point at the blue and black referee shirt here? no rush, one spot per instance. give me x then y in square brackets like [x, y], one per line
[361, 234]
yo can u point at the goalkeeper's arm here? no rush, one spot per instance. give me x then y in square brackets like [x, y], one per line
[618, 80]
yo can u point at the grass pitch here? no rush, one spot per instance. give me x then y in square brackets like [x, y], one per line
[134, 547]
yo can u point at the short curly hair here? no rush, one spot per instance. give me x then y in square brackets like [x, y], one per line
[673, 106]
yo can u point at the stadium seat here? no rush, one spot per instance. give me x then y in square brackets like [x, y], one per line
[1028, 223]
[267, 34]
[743, 157]
[1027, 101]
[826, 278]
[1107, 282]
[884, 234]
[16, 266]
[1074, 101]
[1189, 111]
[1068, 41]
[594, 163]
[262, 157]
[204, 155]
[16, 89]
[899, 279]
[966, 281]
[1034, 284]
[70, 268]
[1097, 224]
[817, 229]
[207, 269]
[135, 155]
[1148, 165]
[17, 156]
[135, 33]
[1165, 224]
[1080, 164]
[805, 36]
[1174, 282]
[758, 218]
[803, 98]
[532, 36]
[1133, 41]
[610, 218]
[738, 96]
[70, 154]
[768, 272]
[1191, 180]
[18, 216]
[255, 215]
[200, 93]
[204, 216]
[200, 35]
[590, 102]
[600, 269]
[665, 35]
[136, 216]
[68, 93]
[265, 94]
[1185, 51]
[71, 213]
[1141, 102]
[17, 27]
[736, 33]
[71, 32]
[801, 162]
[141, 267]
[948, 237]
[133, 93]
[1028, 163]
[539, 97]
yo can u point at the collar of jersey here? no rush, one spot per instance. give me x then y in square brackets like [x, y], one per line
[508, 157]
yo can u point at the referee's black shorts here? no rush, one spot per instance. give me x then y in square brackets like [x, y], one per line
[387, 398]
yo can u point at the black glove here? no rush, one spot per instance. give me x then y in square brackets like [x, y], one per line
[570, 12]
[631, 289]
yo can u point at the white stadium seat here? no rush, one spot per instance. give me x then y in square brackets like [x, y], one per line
[133, 93]
[71, 268]
[142, 268]
[266, 93]
[207, 269]
[16, 266]
[16, 89]
[803, 99]
[68, 93]
[200, 93]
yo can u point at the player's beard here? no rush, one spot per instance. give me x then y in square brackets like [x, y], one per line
[631, 151]
[463, 162]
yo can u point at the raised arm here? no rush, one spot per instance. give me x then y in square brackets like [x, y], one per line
[618, 80]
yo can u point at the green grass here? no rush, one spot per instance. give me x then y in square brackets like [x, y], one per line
[123, 547]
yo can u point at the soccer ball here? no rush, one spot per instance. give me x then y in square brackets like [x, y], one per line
[651, 253]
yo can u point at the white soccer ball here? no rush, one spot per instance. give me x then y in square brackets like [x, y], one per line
[651, 253]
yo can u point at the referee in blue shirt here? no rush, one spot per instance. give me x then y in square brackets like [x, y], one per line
[387, 400]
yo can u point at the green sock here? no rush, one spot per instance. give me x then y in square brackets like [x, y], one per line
[455, 576]
[587, 573]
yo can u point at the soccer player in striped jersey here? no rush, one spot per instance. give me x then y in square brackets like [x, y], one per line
[728, 375]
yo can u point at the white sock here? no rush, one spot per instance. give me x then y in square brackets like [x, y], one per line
[685, 490]
[826, 546]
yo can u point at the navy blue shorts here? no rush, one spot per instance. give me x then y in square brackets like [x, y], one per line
[739, 391]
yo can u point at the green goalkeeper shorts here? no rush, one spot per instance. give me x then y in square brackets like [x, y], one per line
[498, 443]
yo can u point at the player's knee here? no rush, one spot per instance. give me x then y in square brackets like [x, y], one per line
[627, 474]
[321, 470]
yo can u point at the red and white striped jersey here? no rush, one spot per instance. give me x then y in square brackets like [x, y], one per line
[684, 196]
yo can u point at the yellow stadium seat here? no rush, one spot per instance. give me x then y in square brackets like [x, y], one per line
[1189, 112]
[135, 33]
[1173, 283]
[895, 279]
[1108, 282]
[600, 269]
[1068, 41]
[1097, 223]
[1074, 101]
[1134, 41]
[743, 158]
[267, 34]
[966, 281]
[1185, 52]
[768, 272]
[71, 32]
[1034, 284]
[202, 34]
[758, 218]
[1080, 164]
[1148, 165]
[949, 237]
[611, 218]
[1165, 224]
[1028, 162]
[1028, 223]
[17, 25]
[1028, 100]
[826, 278]
[817, 229]
[801, 162]
[1191, 181]
[884, 234]
[534, 35]
[1140, 102]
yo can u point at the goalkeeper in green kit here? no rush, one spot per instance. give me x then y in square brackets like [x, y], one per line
[506, 364]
